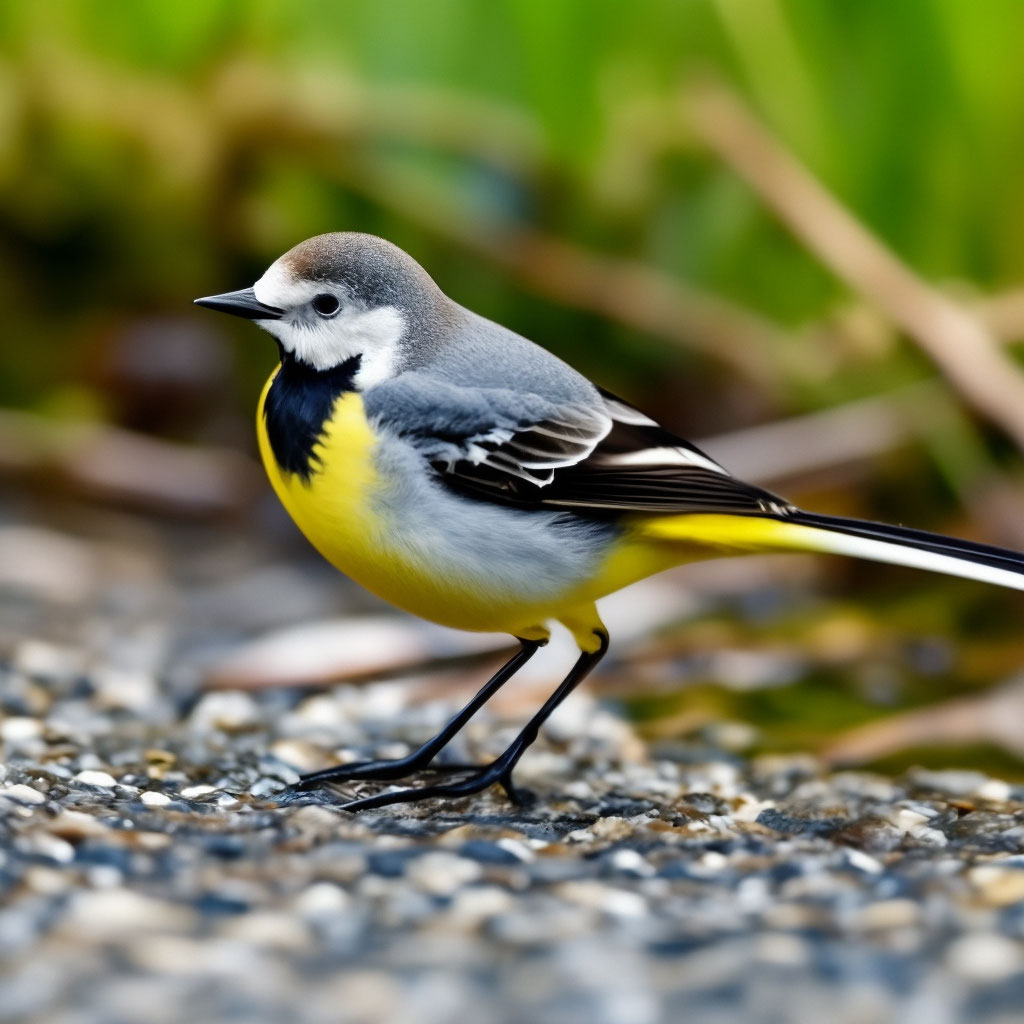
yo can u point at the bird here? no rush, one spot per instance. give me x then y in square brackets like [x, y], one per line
[465, 474]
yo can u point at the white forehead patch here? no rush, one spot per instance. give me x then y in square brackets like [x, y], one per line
[324, 343]
[279, 287]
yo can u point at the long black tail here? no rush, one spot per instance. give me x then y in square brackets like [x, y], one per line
[900, 545]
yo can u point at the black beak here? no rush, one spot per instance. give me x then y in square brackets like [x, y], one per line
[241, 303]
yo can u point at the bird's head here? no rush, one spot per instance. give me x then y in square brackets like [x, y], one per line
[342, 295]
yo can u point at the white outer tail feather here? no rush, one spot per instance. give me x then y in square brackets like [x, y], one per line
[899, 553]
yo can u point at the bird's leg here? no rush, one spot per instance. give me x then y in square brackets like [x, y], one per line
[421, 757]
[500, 770]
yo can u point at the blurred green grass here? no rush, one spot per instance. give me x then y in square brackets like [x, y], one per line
[909, 113]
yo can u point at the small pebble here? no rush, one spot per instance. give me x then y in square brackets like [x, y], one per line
[228, 710]
[98, 779]
[995, 790]
[18, 730]
[122, 690]
[985, 957]
[998, 886]
[630, 862]
[267, 787]
[269, 930]
[888, 914]
[77, 825]
[442, 873]
[304, 756]
[863, 862]
[114, 912]
[616, 902]
[52, 848]
[24, 794]
[193, 792]
[322, 899]
[476, 904]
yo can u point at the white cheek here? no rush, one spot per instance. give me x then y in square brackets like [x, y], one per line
[371, 334]
[377, 332]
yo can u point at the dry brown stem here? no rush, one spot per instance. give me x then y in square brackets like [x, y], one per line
[967, 355]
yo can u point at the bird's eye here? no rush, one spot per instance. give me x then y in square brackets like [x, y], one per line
[325, 304]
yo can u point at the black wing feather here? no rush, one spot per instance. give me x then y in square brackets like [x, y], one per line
[636, 466]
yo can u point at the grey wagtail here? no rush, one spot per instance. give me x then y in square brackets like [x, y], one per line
[467, 475]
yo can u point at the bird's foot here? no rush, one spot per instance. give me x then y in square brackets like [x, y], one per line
[378, 771]
[497, 773]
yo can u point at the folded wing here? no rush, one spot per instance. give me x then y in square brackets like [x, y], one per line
[605, 458]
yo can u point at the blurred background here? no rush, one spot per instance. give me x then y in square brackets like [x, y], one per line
[792, 230]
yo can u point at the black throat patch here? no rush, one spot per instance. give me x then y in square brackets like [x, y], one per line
[297, 406]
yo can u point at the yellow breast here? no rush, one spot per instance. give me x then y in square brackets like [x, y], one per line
[343, 509]
[333, 507]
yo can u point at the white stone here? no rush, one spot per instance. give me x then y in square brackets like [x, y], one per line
[907, 820]
[24, 794]
[605, 898]
[19, 728]
[612, 827]
[984, 957]
[76, 825]
[104, 876]
[712, 860]
[631, 862]
[478, 903]
[580, 835]
[191, 792]
[517, 848]
[51, 565]
[931, 837]
[266, 787]
[36, 658]
[90, 777]
[888, 914]
[53, 847]
[863, 862]
[322, 899]
[152, 798]
[303, 756]
[749, 807]
[115, 913]
[781, 950]
[267, 929]
[442, 873]
[48, 881]
[118, 688]
[229, 710]
[995, 790]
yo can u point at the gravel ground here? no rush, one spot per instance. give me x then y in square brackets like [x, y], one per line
[155, 868]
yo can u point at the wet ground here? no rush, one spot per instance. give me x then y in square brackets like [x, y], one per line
[155, 867]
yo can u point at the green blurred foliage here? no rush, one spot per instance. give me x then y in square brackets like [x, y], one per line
[152, 151]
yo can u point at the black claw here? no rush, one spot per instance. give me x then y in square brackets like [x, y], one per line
[512, 791]
[377, 771]
[370, 771]
[483, 779]
[498, 773]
